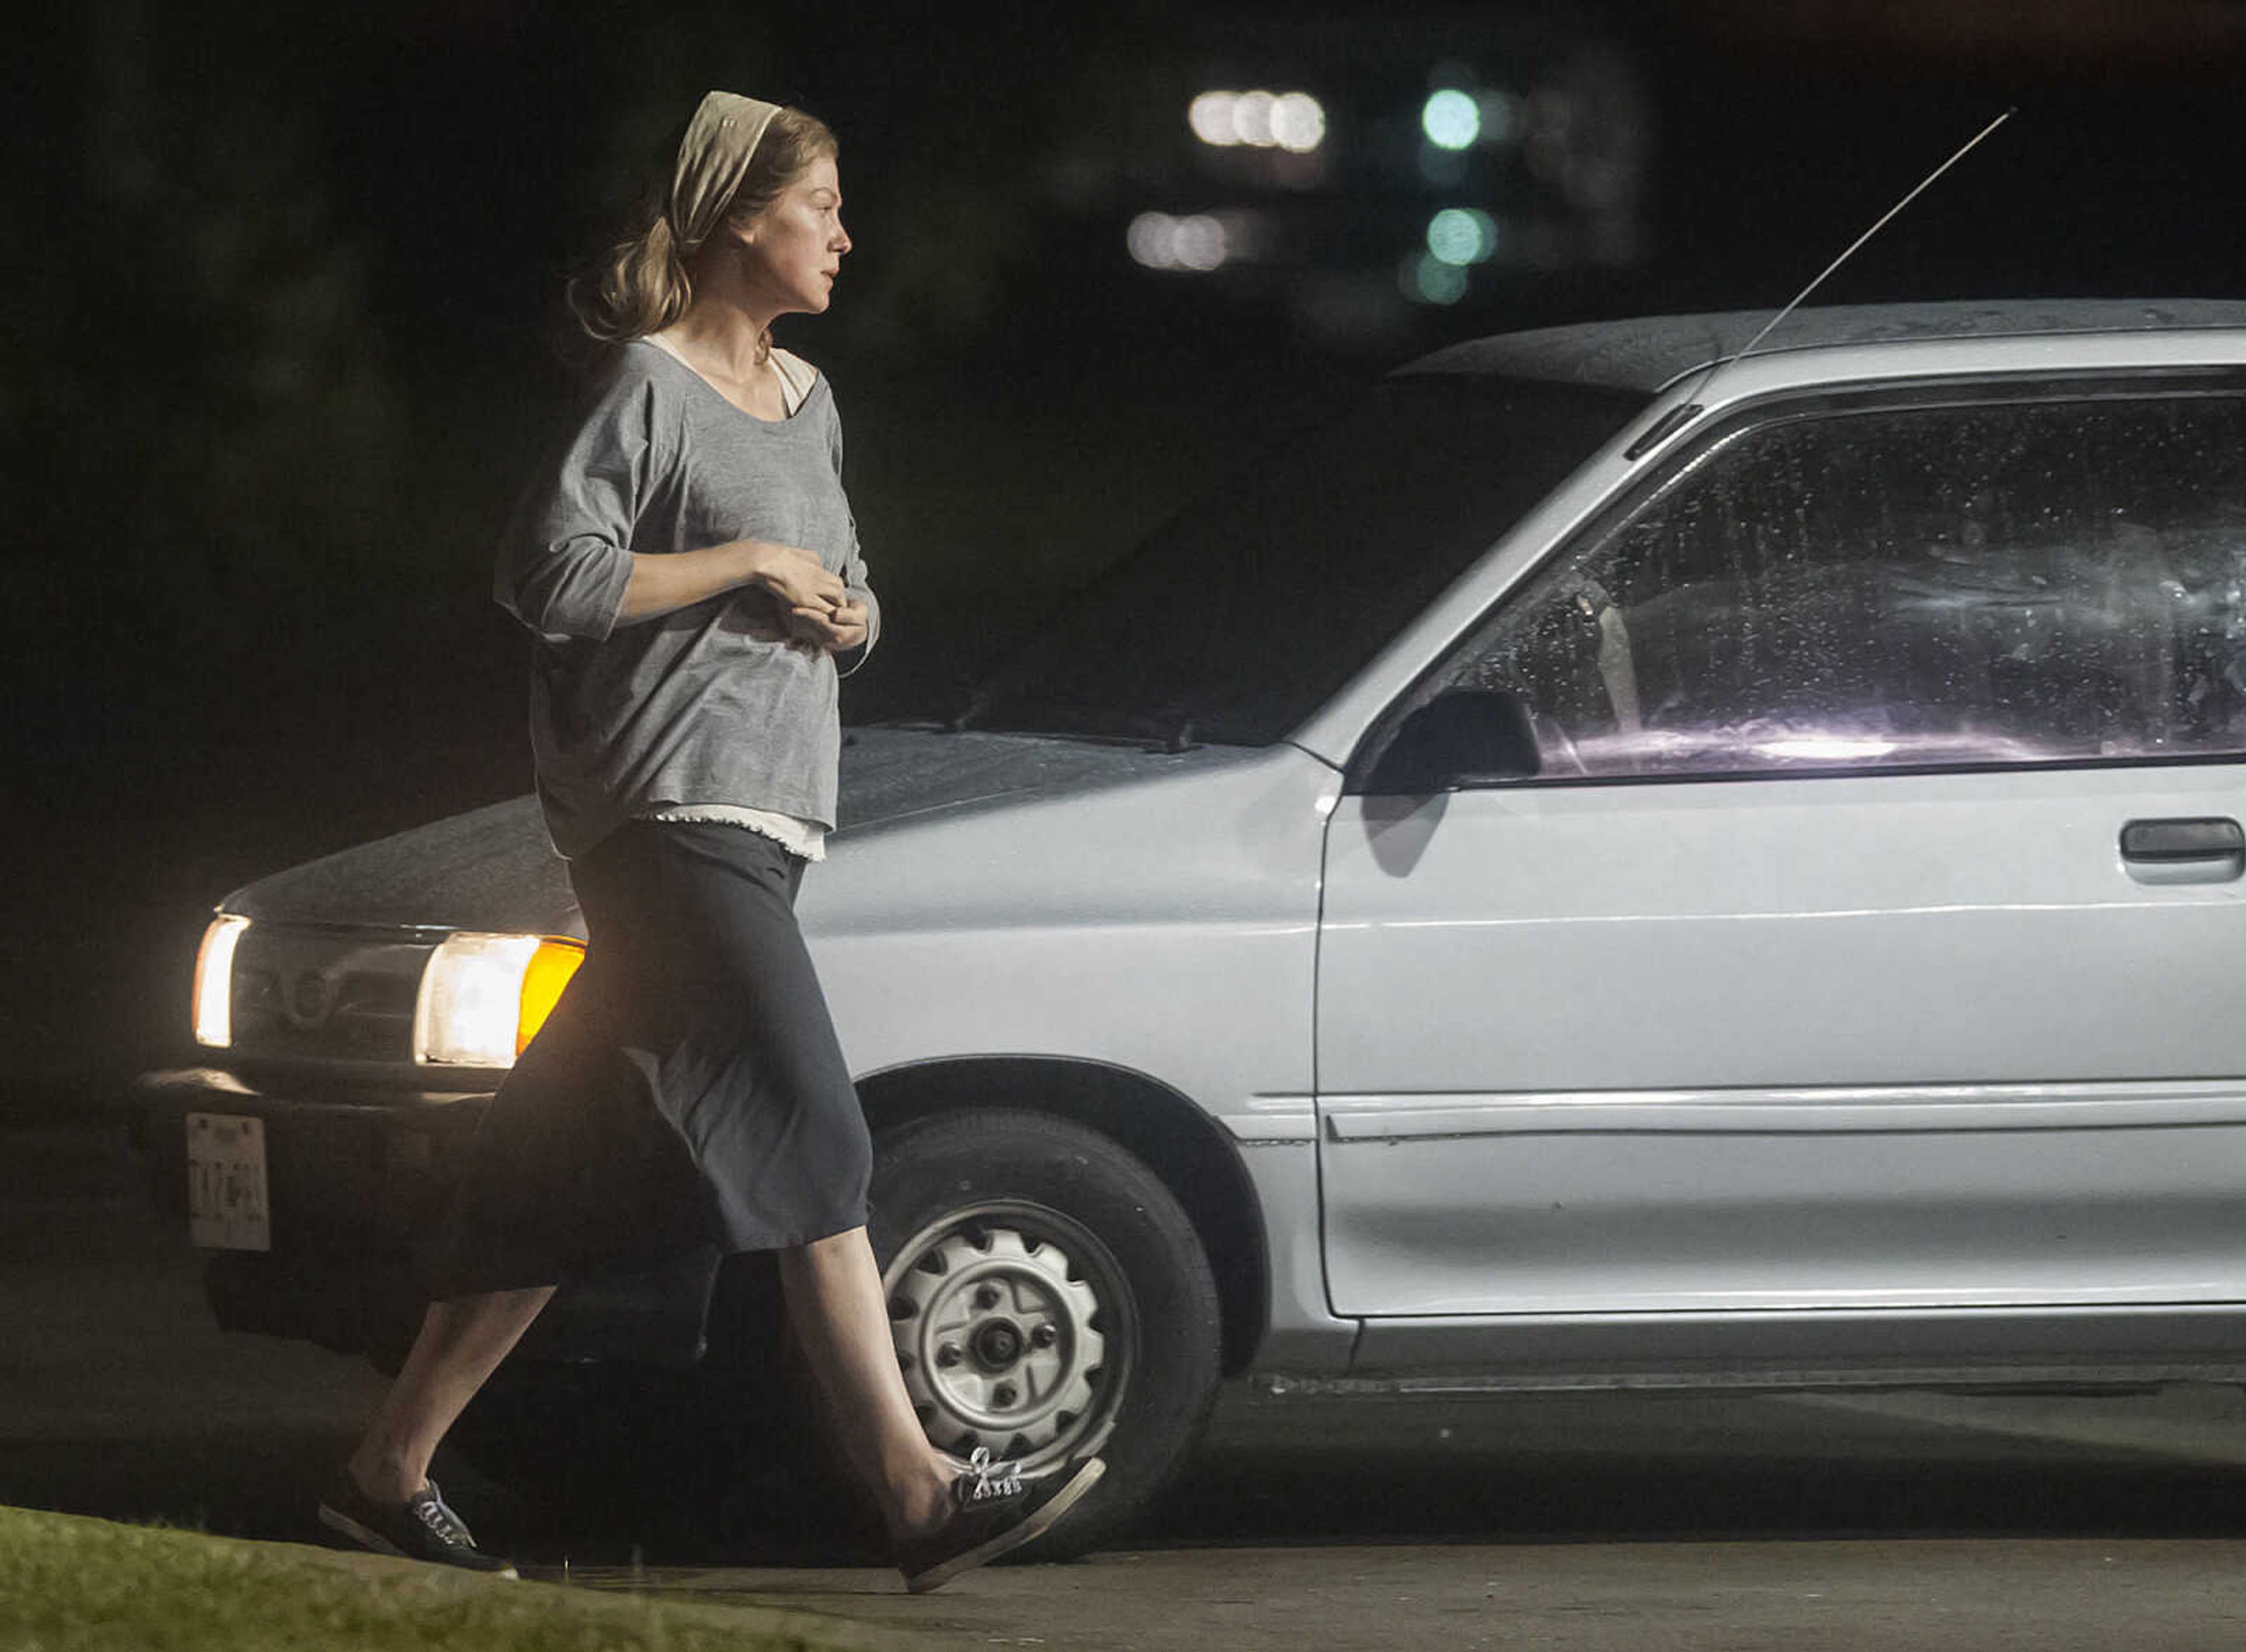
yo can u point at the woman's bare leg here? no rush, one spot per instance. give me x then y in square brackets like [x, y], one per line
[841, 1317]
[460, 1343]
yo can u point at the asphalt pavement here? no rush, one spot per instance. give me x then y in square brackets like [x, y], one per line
[1926, 1521]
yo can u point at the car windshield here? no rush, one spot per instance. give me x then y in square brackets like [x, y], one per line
[1233, 622]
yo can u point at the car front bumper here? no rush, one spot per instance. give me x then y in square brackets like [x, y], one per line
[365, 1167]
[354, 1177]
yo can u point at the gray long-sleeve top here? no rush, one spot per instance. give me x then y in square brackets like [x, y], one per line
[707, 704]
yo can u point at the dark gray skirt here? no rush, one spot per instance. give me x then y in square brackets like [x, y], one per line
[688, 1090]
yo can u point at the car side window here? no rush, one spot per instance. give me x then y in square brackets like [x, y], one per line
[2027, 581]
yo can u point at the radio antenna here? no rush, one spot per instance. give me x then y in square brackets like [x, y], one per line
[1691, 404]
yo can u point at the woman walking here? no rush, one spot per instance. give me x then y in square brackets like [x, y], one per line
[690, 569]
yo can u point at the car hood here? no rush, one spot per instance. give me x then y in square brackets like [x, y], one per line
[493, 868]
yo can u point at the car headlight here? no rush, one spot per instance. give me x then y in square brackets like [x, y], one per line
[484, 996]
[213, 1000]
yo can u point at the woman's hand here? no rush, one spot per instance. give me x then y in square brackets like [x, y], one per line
[797, 577]
[666, 583]
[836, 630]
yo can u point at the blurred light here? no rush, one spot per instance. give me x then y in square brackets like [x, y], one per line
[1461, 235]
[1298, 122]
[1210, 117]
[1160, 241]
[1200, 242]
[551, 966]
[213, 988]
[1426, 279]
[1290, 120]
[1251, 119]
[1451, 119]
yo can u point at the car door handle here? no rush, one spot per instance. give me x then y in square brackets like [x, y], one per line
[2211, 849]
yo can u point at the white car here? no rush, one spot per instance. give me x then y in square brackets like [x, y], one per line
[1589, 872]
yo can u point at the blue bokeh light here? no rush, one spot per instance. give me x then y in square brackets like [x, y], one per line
[1451, 119]
[1461, 235]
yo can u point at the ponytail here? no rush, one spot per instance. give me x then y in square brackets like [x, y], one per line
[639, 286]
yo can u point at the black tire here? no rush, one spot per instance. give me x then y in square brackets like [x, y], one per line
[1051, 1302]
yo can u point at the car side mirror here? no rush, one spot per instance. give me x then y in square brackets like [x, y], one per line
[1463, 738]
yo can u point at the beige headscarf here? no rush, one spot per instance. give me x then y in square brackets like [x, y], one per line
[719, 141]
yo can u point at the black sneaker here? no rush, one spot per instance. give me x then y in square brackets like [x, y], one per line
[423, 1527]
[995, 1511]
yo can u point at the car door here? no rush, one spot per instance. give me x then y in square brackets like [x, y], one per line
[1871, 935]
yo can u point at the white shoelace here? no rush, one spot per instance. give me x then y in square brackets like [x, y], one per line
[991, 1480]
[447, 1528]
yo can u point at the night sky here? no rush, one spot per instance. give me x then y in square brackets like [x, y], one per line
[283, 334]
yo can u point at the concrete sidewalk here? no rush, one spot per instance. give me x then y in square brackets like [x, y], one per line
[1948, 1595]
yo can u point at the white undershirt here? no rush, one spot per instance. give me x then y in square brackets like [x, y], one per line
[807, 840]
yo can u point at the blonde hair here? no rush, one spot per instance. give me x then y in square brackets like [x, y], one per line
[642, 284]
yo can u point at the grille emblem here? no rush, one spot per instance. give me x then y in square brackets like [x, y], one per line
[312, 996]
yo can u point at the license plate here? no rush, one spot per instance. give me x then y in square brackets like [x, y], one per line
[226, 1182]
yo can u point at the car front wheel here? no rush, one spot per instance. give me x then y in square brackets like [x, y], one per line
[1049, 1301]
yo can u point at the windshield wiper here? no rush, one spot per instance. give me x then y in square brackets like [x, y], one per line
[978, 703]
[1171, 731]
[1180, 735]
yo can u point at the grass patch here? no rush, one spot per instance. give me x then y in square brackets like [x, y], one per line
[68, 1583]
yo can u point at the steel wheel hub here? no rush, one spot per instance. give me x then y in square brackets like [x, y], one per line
[998, 1334]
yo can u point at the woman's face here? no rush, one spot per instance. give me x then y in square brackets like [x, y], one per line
[795, 245]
